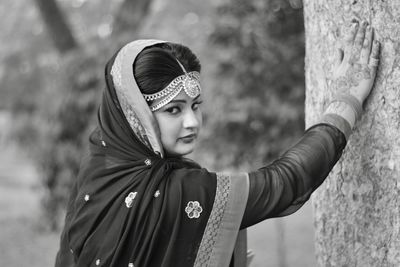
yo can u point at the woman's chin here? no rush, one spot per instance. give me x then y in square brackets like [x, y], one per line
[181, 150]
[186, 151]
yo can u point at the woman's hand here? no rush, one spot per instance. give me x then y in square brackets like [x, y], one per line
[356, 66]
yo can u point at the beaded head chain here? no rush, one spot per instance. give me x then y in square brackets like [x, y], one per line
[189, 82]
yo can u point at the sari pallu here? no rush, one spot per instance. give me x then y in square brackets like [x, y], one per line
[133, 207]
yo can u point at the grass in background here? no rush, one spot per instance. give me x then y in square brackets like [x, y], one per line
[22, 238]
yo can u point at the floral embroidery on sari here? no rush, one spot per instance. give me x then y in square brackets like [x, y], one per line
[193, 209]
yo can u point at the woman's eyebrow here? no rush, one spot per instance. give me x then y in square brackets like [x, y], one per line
[178, 100]
[183, 100]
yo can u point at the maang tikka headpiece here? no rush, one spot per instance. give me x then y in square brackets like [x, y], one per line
[189, 82]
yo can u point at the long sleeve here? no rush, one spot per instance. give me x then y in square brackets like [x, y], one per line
[282, 187]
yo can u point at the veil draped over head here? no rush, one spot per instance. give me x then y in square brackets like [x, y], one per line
[132, 206]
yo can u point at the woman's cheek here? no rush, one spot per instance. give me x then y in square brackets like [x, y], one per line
[173, 129]
[199, 116]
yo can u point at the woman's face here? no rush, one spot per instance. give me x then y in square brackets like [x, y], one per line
[180, 122]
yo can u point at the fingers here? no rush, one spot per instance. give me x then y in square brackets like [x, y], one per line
[349, 39]
[339, 57]
[366, 47]
[375, 50]
[358, 43]
[374, 57]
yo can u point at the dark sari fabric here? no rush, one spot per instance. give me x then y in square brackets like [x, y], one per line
[101, 229]
[131, 206]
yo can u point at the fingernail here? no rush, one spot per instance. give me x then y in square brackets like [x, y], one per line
[368, 28]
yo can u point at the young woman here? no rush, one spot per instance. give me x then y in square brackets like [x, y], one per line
[139, 202]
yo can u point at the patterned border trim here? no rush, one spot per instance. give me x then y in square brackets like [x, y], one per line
[339, 122]
[130, 115]
[133, 119]
[231, 219]
[125, 83]
[214, 221]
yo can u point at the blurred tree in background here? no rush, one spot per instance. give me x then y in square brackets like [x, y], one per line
[258, 96]
[75, 116]
[259, 93]
[57, 26]
[55, 119]
[255, 108]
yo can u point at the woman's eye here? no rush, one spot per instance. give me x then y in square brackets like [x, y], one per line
[196, 105]
[173, 110]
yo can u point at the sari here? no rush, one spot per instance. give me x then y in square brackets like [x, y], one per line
[133, 206]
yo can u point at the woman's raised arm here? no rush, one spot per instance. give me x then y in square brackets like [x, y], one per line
[283, 186]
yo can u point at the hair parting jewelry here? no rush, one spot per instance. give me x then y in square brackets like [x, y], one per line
[189, 82]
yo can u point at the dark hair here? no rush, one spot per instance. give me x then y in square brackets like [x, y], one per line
[156, 66]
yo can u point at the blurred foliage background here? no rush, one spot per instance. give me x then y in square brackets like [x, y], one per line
[51, 75]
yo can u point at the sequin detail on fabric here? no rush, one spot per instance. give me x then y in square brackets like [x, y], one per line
[129, 199]
[129, 112]
[214, 221]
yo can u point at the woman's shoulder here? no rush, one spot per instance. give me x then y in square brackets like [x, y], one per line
[192, 175]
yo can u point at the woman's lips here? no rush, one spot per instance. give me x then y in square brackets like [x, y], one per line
[188, 138]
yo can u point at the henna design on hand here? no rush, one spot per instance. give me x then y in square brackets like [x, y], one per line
[354, 76]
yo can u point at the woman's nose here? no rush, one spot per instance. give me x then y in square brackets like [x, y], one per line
[190, 120]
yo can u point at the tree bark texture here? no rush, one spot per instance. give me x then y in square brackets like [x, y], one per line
[357, 209]
[57, 25]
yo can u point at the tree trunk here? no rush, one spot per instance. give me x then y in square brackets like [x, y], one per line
[357, 210]
[131, 15]
[57, 25]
